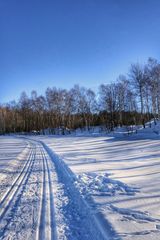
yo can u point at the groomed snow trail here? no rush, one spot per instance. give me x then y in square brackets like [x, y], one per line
[41, 202]
[46, 224]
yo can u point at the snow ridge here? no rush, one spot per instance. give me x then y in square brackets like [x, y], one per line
[93, 183]
[75, 209]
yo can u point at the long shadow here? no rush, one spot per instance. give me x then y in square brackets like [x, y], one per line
[76, 211]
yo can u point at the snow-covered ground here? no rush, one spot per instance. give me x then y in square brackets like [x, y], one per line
[119, 176]
[81, 187]
[39, 199]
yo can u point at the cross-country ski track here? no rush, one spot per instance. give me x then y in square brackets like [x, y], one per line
[40, 200]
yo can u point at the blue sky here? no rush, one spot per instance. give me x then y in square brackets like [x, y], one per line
[65, 42]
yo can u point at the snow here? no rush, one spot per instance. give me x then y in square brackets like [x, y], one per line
[81, 187]
[120, 174]
[41, 201]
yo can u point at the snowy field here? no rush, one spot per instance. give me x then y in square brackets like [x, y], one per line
[75, 188]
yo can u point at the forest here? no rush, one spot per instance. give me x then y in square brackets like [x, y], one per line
[132, 99]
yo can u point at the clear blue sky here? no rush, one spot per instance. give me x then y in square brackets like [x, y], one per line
[64, 42]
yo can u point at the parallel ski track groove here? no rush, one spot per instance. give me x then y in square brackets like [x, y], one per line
[11, 194]
[15, 181]
[52, 211]
[41, 224]
[46, 227]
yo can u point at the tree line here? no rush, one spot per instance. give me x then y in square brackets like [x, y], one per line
[130, 100]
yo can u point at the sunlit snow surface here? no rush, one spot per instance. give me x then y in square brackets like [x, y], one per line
[111, 183]
[121, 174]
